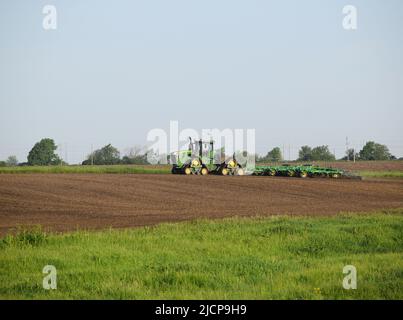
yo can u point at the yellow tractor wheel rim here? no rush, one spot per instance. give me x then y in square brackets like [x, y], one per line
[224, 172]
[231, 164]
[188, 171]
[240, 172]
[204, 171]
[195, 163]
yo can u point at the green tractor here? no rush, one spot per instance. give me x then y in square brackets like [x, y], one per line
[200, 159]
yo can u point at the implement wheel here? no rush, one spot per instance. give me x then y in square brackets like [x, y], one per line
[188, 171]
[303, 174]
[335, 175]
[240, 172]
[270, 173]
[204, 171]
[224, 171]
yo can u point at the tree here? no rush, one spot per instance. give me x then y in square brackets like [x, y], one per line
[350, 155]
[3, 164]
[375, 151]
[273, 156]
[322, 153]
[305, 153]
[12, 161]
[106, 155]
[43, 153]
[135, 155]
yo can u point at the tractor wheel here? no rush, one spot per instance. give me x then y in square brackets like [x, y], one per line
[240, 172]
[195, 162]
[231, 164]
[224, 171]
[290, 173]
[303, 174]
[188, 171]
[204, 171]
[335, 176]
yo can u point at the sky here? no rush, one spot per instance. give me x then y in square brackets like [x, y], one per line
[114, 70]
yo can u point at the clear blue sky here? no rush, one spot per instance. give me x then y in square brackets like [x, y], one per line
[113, 70]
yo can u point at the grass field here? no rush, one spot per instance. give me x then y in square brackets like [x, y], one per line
[239, 258]
[381, 174]
[88, 169]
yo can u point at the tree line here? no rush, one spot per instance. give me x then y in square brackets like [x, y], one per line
[110, 155]
[370, 151]
[43, 153]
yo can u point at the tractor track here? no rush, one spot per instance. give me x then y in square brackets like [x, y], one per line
[66, 202]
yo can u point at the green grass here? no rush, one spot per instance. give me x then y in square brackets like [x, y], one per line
[382, 174]
[139, 169]
[88, 169]
[239, 258]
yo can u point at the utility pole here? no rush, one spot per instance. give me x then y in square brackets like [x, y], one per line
[60, 156]
[289, 152]
[65, 156]
[354, 155]
[92, 155]
[283, 151]
[348, 156]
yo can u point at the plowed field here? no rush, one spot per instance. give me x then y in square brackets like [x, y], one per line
[64, 202]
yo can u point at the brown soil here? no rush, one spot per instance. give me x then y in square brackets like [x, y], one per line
[63, 202]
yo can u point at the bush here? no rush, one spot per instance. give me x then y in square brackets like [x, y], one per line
[12, 161]
[32, 236]
[274, 155]
[140, 159]
[106, 155]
